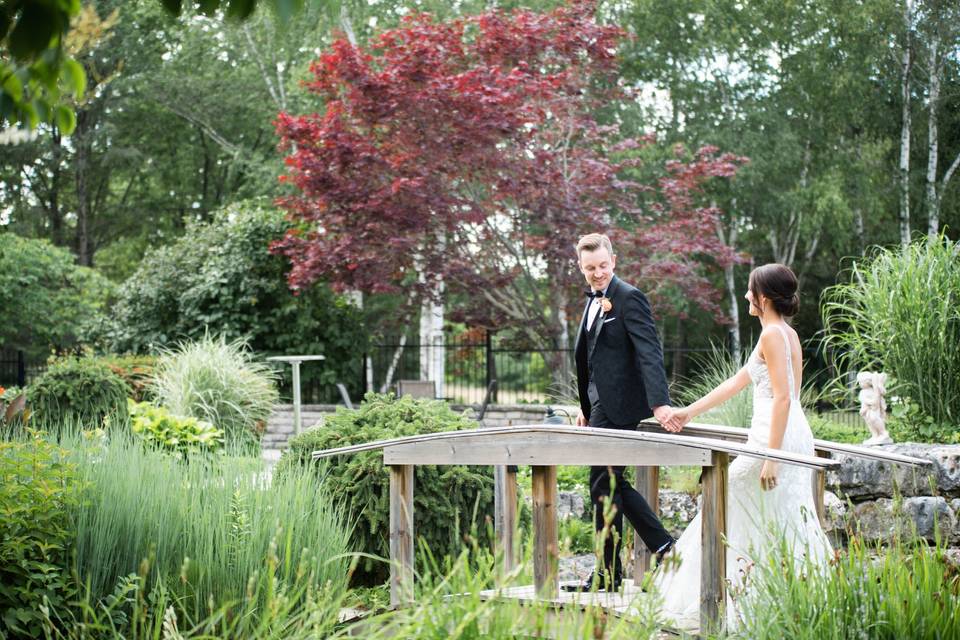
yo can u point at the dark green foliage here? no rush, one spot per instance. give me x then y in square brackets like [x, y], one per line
[824, 429]
[46, 301]
[77, 391]
[38, 491]
[445, 497]
[220, 277]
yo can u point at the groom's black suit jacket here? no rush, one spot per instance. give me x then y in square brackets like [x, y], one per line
[624, 355]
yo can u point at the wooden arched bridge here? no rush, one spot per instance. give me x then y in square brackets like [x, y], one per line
[544, 447]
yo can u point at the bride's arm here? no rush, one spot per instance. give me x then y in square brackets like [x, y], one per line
[720, 394]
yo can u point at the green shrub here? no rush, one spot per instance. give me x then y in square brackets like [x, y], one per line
[576, 535]
[157, 427]
[908, 423]
[205, 527]
[219, 382]
[824, 429]
[39, 493]
[900, 313]
[77, 391]
[445, 497]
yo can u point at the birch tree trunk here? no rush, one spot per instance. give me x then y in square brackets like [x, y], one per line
[906, 66]
[933, 137]
[729, 238]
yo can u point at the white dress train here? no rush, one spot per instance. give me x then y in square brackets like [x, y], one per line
[754, 516]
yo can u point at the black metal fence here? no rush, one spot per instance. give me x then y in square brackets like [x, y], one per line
[471, 363]
[16, 369]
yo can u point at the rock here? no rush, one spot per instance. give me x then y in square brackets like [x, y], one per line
[882, 520]
[577, 567]
[860, 479]
[835, 510]
[677, 509]
[569, 505]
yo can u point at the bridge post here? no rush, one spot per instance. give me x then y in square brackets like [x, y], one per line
[546, 547]
[505, 514]
[401, 534]
[713, 567]
[647, 484]
[819, 478]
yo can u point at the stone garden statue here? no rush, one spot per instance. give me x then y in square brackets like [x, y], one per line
[873, 407]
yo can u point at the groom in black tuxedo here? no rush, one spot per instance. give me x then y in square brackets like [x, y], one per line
[621, 381]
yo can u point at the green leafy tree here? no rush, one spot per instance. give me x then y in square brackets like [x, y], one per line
[47, 302]
[220, 277]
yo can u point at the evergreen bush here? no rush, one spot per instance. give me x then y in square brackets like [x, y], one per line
[448, 500]
[80, 391]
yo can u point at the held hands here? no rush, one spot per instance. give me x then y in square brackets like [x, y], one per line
[768, 475]
[673, 420]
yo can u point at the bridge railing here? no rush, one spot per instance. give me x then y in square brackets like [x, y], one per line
[544, 447]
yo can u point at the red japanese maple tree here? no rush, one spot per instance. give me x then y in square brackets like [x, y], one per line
[470, 151]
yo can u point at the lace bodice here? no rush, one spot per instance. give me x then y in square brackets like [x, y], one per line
[760, 374]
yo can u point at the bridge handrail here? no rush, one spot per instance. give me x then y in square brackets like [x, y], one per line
[695, 429]
[712, 444]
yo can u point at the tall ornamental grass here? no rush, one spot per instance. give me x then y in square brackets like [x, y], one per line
[219, 382]
[900, 313]
[875, 593]
[205, 526]
[712, 369]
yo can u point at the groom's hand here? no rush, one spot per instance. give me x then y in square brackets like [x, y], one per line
[664, 415]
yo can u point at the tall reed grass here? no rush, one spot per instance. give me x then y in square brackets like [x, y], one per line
[712, 368]
[206, 524]
[872, 593]
[900, 313]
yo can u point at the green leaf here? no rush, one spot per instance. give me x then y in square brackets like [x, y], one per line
[172, 6]
[34, 31]
[11, 84]
[208, 7]
[241, 9]
[66, 119]
[285, 9]
[73, 74]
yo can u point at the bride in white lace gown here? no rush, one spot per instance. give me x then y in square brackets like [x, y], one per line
[768, 502]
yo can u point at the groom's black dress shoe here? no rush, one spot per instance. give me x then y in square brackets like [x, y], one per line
[591, 584]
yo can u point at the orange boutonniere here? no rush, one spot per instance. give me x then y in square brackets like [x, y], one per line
[606, 304]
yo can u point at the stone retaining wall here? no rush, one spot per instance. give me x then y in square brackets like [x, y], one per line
[880, 499]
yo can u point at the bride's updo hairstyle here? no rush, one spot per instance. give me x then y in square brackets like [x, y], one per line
[778, 284]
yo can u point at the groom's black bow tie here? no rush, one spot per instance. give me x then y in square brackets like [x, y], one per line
[593, 294]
